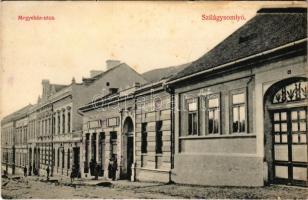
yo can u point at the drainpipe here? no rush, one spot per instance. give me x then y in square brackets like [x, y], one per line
[52, 133]
[171, 92]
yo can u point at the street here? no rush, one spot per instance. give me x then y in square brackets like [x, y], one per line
[37, 188]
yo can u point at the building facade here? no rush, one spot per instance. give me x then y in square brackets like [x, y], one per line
[242, 119]
[237, 116]
[133, 125]
[49, 134]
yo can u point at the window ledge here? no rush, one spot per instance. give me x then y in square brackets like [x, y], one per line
[238, 135]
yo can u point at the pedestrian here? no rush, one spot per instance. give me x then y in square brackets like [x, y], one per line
[92, 167]
[25, 171]
[47, 171]
[110, 168]
[96, 171]
[115, 168]
[73, 172]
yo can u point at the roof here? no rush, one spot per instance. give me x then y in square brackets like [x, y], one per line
[162, 73]
[16, 114]
[269, 29]
[98, 76]
[59, 87]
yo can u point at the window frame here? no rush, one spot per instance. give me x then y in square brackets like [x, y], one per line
[196, 112]
[232, 105]
[208, 109]
[144, 138]
[159, 132]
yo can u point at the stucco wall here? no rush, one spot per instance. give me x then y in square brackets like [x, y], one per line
[218, 169]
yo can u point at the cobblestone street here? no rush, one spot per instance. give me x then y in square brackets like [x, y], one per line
[38, 188]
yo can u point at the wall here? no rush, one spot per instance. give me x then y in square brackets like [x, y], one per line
[224, 158]
[120, 111]
[153, 166]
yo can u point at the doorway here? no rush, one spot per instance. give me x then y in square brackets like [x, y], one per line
[290, 146]
[76, 160]
[286, 135]
[128, 148]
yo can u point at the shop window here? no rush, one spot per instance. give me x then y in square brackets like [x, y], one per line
[192, 106]
[159, 141]
[144, 135]
[213, 104]
[238, 112]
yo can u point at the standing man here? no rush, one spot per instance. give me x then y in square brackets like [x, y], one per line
[25, 171]
[30, 170]
[47, 170]
[115, 168]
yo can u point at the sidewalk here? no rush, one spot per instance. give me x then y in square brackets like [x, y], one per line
[102, 181]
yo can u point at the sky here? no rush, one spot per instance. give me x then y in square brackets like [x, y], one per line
[145, 35]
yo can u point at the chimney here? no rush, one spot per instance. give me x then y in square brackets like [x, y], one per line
[113, 90]
[137, 84]
[95, 73]
[46, 88]
[112, 63]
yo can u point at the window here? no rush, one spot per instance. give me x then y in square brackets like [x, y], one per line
[58, 158]
[53, 125]
[101, 148]
[86, 168]
[144, 134]
[49, 126]
[63, 160]
[113, 142]
[93, 145]
[192, 106]
[238, 113]
[63, 123]
[69, 122]
[213, 114]
[107, 83]
[59, 121]
[159, 133]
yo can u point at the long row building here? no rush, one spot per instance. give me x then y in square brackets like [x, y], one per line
[237, 116]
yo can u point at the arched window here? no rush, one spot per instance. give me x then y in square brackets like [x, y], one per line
[292, 92]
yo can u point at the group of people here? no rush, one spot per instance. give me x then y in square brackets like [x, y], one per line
[94, 167]
[26, 172]
[112, 168]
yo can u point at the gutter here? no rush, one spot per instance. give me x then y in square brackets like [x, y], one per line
[237, 61]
